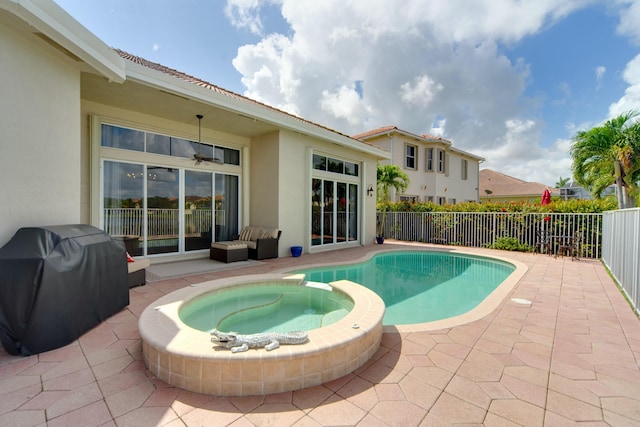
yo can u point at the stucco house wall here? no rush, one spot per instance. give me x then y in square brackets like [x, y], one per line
[62, 85]
[39, 134]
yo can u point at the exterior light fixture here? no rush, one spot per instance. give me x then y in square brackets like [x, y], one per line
[370, 191]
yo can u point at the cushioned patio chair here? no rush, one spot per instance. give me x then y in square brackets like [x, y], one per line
[262, 243]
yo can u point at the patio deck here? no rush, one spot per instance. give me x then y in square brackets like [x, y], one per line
[570, 358]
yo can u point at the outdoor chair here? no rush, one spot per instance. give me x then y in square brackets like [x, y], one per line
[570, 247]
[543, 242]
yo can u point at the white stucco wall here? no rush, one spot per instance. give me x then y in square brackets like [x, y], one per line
[39, 135]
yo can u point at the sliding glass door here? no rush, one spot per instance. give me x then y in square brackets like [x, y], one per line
[163, 231]
[198, 220]
[161, 210]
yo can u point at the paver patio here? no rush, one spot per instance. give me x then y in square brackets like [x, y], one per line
[569, 358]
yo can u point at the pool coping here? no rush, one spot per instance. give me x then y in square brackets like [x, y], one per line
[484, 308]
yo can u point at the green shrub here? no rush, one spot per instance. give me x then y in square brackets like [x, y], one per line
[556, 205]
[510, 244]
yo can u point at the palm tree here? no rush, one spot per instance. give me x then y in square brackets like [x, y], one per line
[562, 182]
[609, 154]
[389, 176]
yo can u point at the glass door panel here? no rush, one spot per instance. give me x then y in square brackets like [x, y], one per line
[163, 219]
[226, 207]
[198, 219]
[341, 218]
[353, 212]
[328, 214]
[123, 213]
[316, 212]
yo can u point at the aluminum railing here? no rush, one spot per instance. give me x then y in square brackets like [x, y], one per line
[160, 222]
[621, 250]
[484, 229]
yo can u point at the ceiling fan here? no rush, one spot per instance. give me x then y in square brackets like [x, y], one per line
[199, 157]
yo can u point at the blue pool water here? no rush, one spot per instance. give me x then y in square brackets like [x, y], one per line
[250, 309]
[421, 286]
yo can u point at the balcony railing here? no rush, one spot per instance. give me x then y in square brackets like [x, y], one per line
[160, 222]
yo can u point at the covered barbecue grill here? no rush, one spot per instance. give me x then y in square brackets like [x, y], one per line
[56, 283]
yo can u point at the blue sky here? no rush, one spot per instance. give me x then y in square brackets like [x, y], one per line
[508, 80]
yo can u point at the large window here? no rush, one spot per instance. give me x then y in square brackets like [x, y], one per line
[329, 164]
[156, 207]
[149, 142]
[334, 201]
[158, 210]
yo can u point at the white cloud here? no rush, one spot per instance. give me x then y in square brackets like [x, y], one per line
[600, 72]
[421, 93]
[155, 47]
[244, 14]
[631, 98]
[428, 66]
[629, 19]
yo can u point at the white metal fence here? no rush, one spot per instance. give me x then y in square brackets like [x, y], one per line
[621, 250]
[483, 229]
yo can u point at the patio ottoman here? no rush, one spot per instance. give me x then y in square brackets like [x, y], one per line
[228, 251]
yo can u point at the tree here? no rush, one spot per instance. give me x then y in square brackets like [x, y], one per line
[562, 182]
[389, 176]
[609, 154]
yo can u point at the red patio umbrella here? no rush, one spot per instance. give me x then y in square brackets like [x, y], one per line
[546, 197]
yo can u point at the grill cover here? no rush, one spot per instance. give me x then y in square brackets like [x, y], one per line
[56, 283]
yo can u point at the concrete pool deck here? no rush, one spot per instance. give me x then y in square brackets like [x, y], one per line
[570, 357]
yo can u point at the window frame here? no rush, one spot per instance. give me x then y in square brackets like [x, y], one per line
[429, 159]
[413, 158]
[442, 161]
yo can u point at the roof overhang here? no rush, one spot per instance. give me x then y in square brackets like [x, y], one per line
[245, 107]
[52, 24]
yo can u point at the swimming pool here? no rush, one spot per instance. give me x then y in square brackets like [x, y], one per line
[421, 286]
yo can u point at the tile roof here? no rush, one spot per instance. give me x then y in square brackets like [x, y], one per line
[375, 132]
[202, 83]
[386, 129]
[501, 185]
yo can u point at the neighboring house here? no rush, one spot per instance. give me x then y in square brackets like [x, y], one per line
[89, 134]
[498, 188]
[437, 171]
[574, 191]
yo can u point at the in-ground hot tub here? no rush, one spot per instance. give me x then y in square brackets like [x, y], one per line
[185, 357]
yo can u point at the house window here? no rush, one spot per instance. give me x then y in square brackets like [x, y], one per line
[411, 154]
[149, 142]
[441, 161]
[464, 168]
[410, 199]
[324, 163]
[429, 166]
[442, 201]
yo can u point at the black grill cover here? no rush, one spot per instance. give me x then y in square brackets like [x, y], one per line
[56, 283]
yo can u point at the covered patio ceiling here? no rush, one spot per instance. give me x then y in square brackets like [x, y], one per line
[156, 102]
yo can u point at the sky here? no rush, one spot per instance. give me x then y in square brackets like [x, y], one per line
[509, 80]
